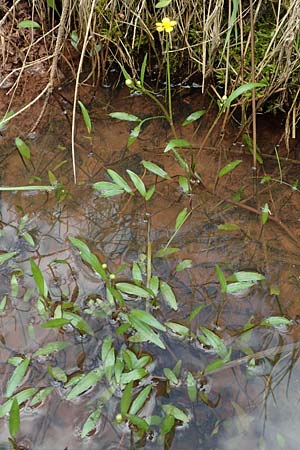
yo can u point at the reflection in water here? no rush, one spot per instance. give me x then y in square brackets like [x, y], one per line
[250, 403]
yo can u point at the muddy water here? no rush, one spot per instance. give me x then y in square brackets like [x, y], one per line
[238, 406]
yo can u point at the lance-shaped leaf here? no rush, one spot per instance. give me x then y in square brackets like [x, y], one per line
[126, 399]
[108, 189]
[124, 116]
[162, 3]
[265, 212]
[193, 117]
[89, 257]
[177, 143]
[212, 340]
[154, 168]
[147, 318]
[41, 395]
[6, 256]
[146, 332]
[221, 278]
[51, 347]
[138, 183]
[239, 91]
[170, 375]
[181, 218]
[91, 422]
[21, 397]
[275, 321]
[86, 382]
[185, 264]
[177, 413]
[229, 167]
[133, 375]
[23, 148]
[133, 289]
[28, 24]
[119, 180]
[191, 387]
[168, 295]
[140, 400]
[14, 418]
[86, 116]
[16, 377]
[39, 279]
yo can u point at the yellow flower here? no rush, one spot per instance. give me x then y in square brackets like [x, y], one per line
[166, 25]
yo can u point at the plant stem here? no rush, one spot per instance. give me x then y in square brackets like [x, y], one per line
[169, 79]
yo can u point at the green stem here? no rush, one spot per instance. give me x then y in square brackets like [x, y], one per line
[169, 79]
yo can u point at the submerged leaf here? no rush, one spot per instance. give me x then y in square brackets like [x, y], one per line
[168, 295]
[23, 148]
[51, 347]
[6, 256]
[90, 423]
[16, 377]
[86, 382]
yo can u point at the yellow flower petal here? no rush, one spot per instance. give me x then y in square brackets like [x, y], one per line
[166, 20]
[173, 23]
[160, 29]
[169, 29]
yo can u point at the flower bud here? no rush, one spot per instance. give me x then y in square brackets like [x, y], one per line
[129, 82]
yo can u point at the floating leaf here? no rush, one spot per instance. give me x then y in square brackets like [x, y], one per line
[275, 321]
[168, 295]
[28, 24]
[228, 227]
[3, 304]
[39, 279]
[177, 413]
[126, 399]
[28, 238]
[57, 374]
[119, 180]
[154, 284]
[147, 318]
[229, 167]
[138, 183]
[246, 276]
[86, 117]
[90, 423]
[184, 184]
[51, 347]
[141, 424]
[140, 400]
[132, 289]
[89, 257]
[16, 377]
[178, 328]
[221, 278]
[78, 322]
[233, 288]
[108, 189]
[185, 264]
[194, 116]
[154, 168]
[166, 252]
[21, 397]
[23, 148]
[6, 256]
[146, 332]
[86, 382]
[191, 387]
[41, 395]
[55, 323]
[170, 375]
[212, 340]
[14, 418]
[177, 143]
[133, 375]
[124, 116]
[195, 312]
[167, 425]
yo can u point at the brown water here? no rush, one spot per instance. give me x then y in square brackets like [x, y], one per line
[245, 408]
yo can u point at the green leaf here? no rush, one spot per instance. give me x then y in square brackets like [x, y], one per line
[137, 274]
[141, 424]
[147, 318]
[78, 322]
[90, 423]
[3, 304]
[166, 252]
[150, 192]
[146, 332]
[239, 91]
[265, 213]
[248, 141]
[86, 117]
[181, 161]
[51, 347]
[6, 256]
[168, 295]
[23, 148]
[178, 328]
[177, 413]
[89, 257]
[108, 189]
[246, 276]
[86, 382]
[39, 279]
[134, 134]
[41, 395]
[140, 400]
[14, 418]
[184, 184]
[221, 278]
[154, 284]
[138, 183]
[214, 365]
[229, 167]
[228, 227]
[195, 312]
[275, 321]
[162, 3]
[132, 289]
[133, 375]
[170, 375]
[177, 143]
[16, 377]
[119, 180]
[55, 323]
[21, 397]
[57, 374]
[233, 288]
[106, 346]
[143, 68]
[185, 264]
[191, 387]
[28, 24]
[28, 238]
[167, 425]
[154, 168]
[181, 218]
[5, 119]
[212, 340]
[124, 116]
[194, 116]
[126, 398]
